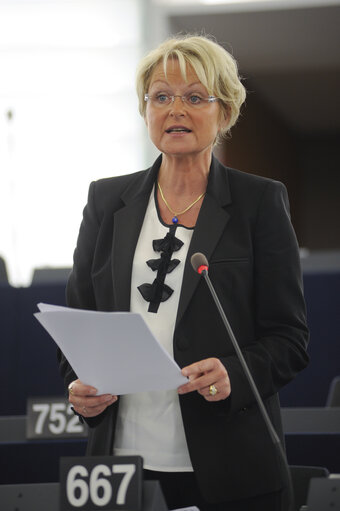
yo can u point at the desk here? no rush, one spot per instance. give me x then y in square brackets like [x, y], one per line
[36, 461]
[43, 496]
[314, 449]
[32, 461]
[311, 420]
[27, 461]
[310, 387]
[28, 364]
[312, 437]
[28, 355]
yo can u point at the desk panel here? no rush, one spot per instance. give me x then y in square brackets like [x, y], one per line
[313, 449]
[310, 387]
[35, 462]
[28, 355]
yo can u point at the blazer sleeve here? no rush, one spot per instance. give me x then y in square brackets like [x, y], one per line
[79, 291]
[278, 351]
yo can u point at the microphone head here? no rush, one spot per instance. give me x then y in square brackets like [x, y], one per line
[199, 262]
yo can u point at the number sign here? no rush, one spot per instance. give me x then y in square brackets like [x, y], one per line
[101, 482]
[52, 417]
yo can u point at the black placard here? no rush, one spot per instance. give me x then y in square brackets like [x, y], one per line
[101, 482]
[52, 417]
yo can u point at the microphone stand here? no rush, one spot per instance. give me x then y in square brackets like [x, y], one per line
[203, 270]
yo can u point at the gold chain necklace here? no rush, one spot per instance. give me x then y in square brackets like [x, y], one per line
[176, 215]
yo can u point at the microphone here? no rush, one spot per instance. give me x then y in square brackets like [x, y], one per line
[199, 262]
[200, 265]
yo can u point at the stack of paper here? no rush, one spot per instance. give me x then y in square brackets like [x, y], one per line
[115, 352]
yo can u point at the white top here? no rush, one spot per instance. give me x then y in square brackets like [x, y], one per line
[150, 424]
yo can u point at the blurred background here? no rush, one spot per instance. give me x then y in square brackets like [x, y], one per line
[68, 110]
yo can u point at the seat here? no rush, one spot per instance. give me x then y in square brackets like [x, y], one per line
[324, 494]
[51, 275]
[333, 398]
[301, 476]
[3, 272]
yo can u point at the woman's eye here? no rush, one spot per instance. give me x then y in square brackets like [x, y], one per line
[162, 98]
[195, 99]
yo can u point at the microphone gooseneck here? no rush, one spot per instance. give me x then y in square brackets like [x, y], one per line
[200, 265]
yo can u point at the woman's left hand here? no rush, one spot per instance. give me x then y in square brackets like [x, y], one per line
[209, 377]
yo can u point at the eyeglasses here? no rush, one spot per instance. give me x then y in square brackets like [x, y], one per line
[190, 99]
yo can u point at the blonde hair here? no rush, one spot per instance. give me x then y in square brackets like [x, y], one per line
[214, 66]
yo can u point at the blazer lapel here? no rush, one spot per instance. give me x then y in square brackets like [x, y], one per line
[128, 222]
[209, 228]
[129, 219]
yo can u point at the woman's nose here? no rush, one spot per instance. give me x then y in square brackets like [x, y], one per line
[177, 106]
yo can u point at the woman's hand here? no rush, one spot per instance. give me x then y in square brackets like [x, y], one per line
[85, 400]
[209, 377]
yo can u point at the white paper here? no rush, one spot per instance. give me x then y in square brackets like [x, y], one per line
[115, 352]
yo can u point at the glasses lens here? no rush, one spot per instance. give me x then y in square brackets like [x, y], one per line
[161, 99]
[198, 101]
[191, 100]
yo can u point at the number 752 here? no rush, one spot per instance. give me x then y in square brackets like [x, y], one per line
[57, 417]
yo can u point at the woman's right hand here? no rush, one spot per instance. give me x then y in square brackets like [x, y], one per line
[85, 401]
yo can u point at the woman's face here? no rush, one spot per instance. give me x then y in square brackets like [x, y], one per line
[179, 129]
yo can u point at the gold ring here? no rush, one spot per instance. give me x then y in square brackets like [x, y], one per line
[70, 388]
[84, 409]
[212, 390]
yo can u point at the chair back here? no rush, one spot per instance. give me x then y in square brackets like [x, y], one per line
[301, 477]
[3, 272]
[333, 398]
[324, 494]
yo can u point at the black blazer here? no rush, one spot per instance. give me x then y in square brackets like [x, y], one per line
[244, 230]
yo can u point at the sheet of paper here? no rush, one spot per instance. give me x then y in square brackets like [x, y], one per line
[115, 352]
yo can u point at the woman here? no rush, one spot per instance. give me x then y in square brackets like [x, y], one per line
[205, 442]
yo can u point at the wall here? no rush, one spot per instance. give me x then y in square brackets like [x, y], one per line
[262, 144]
[320, 198]
[308, 165]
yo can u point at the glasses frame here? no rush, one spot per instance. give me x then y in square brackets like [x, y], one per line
[209, 99]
